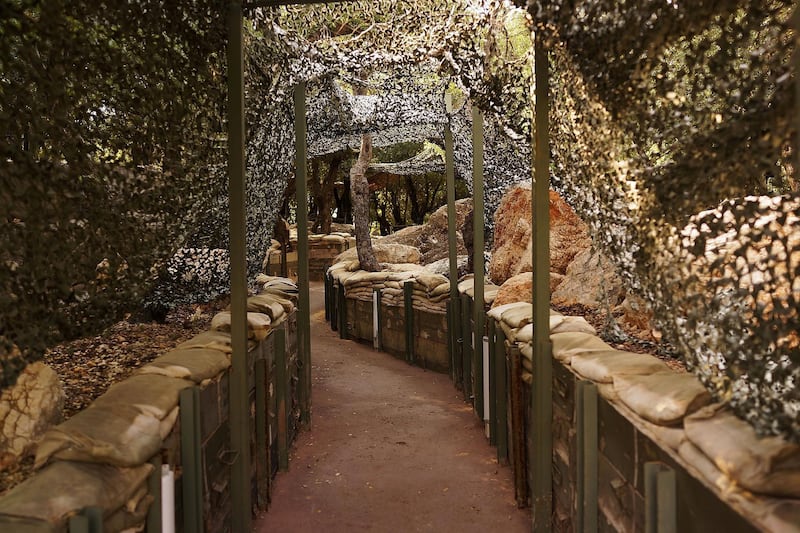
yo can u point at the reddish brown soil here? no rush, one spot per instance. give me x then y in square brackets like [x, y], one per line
[392, 448]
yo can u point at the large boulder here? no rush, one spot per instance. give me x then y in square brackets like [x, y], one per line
[431, 237]
[29, 408]
[513, 245]
[520, 288]
[591, 281]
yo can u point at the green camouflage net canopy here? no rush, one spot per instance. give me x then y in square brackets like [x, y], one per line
[113, 187]
[673, 133]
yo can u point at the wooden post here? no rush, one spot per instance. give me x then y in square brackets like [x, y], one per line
[477, 259]
[541, 433]
[154, 517]
[518, 428]
[262, 446]
[466, 347]
[492, 370]
[408, 301]
[191, 460]
[238, 402]
[304, 299]
[587, 458]
[660, 498]
[501, 371]
[282, 392]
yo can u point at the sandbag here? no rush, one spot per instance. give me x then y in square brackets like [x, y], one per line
[566, 345]
[65, 488]
[603, 366]
[196, 364]
[155, 395]
[765, 465]
[269, 304]
[662, 398]
[212, 340]
[258, 324]
[120, 435]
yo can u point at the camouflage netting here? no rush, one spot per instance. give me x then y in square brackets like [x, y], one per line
[672, 132]
[114, 138]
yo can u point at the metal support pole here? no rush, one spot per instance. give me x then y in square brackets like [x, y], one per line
[327, 285]
[660, 498]
[334, 305]
[501, 372]
[492, 371]
[154, 517]
[304, 300]
[238, 401]
[408, 301]
[341, 300]
[262, 446]
[451, 200]
[466, 347]
[284, 399]
[477, 260]
[191, 460]
[586, 406]
[542, 394]
[376, 317]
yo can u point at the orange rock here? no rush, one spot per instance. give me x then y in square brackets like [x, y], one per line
[512, 250]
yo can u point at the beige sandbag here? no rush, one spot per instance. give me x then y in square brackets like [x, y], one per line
[65, 488]
[662, 399]
[570, 324]
[497, 312]
[258, 324]
[212, 340]
[196, 364]
[518, 316]
[766, 465]
[155, 395]
[121, 435]
[565, 345]
[603, 366]
[271, 305]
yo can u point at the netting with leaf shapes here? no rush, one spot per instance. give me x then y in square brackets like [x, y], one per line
[114, 142]
[672, 129]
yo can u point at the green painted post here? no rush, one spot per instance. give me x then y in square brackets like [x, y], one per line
[342, 305]
[502, 394]
[191, 460]
[326, 285]
[451, 344]
[282, 394]
[408, 303]
[492, 370]
[95, 518]
[542, 393]
[660, 499]
[262, 446]
[451, 200]
[466, 347]
[587, 457]
[78, 524]
[377, 342]
[458, 342]
[477, 259]
[238, 401]
[304, 300]
[154, 517]
[334, 305]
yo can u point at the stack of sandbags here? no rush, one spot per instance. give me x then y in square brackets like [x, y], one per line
[124, 427]
[120, 492]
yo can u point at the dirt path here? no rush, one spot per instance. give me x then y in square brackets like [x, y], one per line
[392, 448]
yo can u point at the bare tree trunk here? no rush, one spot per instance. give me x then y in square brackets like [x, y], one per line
[325, 196]
[359, 191]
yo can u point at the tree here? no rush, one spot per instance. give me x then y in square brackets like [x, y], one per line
[359, 190]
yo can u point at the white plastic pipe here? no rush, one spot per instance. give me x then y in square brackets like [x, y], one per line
[486, 371]
[167, 500]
